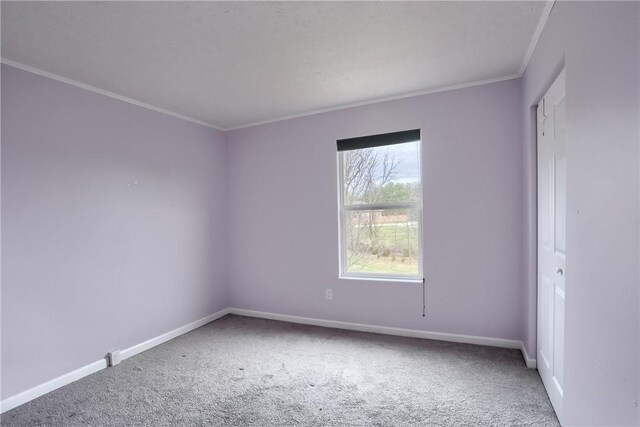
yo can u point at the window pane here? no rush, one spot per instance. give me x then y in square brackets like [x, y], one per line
[382, 241]
[387, 174]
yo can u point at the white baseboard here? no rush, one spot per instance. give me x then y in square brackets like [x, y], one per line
[413, 333]
[39, 390]
[139, 348]
[530, 361]
[62, 380]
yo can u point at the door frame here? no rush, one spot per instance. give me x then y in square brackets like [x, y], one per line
[532, 210]
[532, 217]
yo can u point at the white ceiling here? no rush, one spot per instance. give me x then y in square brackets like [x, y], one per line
[230, 64]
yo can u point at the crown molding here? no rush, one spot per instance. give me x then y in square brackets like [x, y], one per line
[379, 100]
[94, 89]
[525, 62]
[536, 35]
[529, 53]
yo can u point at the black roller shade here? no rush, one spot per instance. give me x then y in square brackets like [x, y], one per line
[378, 140]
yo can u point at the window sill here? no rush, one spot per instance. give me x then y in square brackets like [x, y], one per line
[381, 279]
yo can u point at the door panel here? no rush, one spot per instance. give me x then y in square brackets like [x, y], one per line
[558, 338]
[545, 177]
[544, 342]
[552, 214]
[560, 203]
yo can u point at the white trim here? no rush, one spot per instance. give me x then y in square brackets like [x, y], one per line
[379, 100]
[62, 380]
[90, 88]
[525, 62]
[530, 361]
[381, 206]
[139, 348]
[385, 330]
[534, 41]
[344, 209]
[342, 232]
[396, 279]
[39, 390]
[536, 35]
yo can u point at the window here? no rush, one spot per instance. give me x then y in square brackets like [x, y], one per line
[381, 206]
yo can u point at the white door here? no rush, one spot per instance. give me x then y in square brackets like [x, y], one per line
[552, 192]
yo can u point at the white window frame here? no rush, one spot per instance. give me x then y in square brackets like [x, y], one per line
[343, 209]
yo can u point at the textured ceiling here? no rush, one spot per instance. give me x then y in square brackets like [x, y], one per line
[231, 64]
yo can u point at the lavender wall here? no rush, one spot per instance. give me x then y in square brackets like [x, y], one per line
[283, 220]
[113, 221]
[599, 44]
[110, 209]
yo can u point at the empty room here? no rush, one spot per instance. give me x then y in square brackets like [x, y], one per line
[309, 213]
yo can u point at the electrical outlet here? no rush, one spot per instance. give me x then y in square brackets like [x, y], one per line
[114, 357]
[329, 293]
